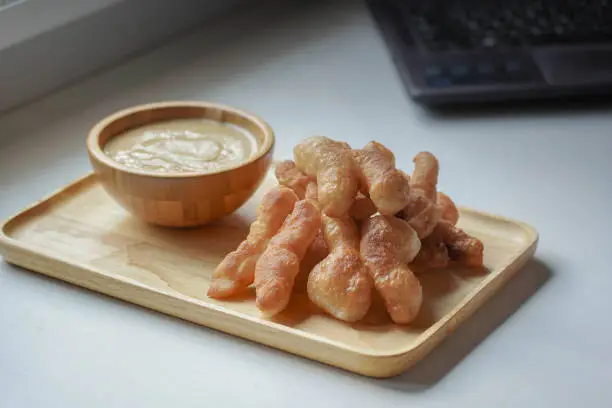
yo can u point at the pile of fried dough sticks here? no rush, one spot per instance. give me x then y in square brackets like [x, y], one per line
[355, 223]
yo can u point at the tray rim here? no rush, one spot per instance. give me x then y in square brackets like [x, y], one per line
[424, 342]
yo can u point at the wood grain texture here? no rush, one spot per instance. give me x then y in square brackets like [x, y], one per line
[180, 199]
[81, 236]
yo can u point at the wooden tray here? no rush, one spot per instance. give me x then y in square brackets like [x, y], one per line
[81, 236]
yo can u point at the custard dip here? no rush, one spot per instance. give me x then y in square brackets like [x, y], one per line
[183, 146]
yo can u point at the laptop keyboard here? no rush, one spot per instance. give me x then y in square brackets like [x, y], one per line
[487, 24]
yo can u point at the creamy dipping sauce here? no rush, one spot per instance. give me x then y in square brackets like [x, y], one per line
[183, 145]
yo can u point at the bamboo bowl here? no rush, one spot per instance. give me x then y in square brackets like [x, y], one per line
[180, 199]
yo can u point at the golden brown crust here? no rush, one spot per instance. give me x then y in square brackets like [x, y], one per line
[279, 264]
[360, 223]
[380, 180]
[383, 150]
[332, 165]
[290, 176]
[340, 283]
[448, 209]
[362, 208]
[422, 211]
[425, 174]
[405, 238]
[316, 252]
[433, 253]
[462, 248]
[393, 279]
[237, 269]
[312, 192]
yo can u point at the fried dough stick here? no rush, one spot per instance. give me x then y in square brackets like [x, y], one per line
[433, 253]
[380, 180]
[279, 265]
[425, 174]
[393, 279]
[312, 193]
[422, 213]
[448, 242]
[362, 208]
[332, 165]
[318, 249]
[340, 283]
[449, 211]
[316, 252]
[462, 248]
[237, 269]
[406, 240]
[289, 175]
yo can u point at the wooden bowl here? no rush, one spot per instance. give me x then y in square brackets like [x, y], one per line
[180, 199]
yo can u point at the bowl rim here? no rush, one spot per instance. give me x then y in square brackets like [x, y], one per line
[95, 150]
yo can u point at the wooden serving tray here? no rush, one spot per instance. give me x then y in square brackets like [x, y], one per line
[80, 235]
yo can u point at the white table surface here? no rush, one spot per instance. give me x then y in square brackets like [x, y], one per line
[544, 341]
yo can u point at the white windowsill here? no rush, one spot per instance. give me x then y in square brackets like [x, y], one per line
[25, 19]
[47, 44]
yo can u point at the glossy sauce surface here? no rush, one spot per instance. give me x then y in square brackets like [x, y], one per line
[183, 145]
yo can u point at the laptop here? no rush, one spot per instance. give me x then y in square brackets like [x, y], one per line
[458, 51]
